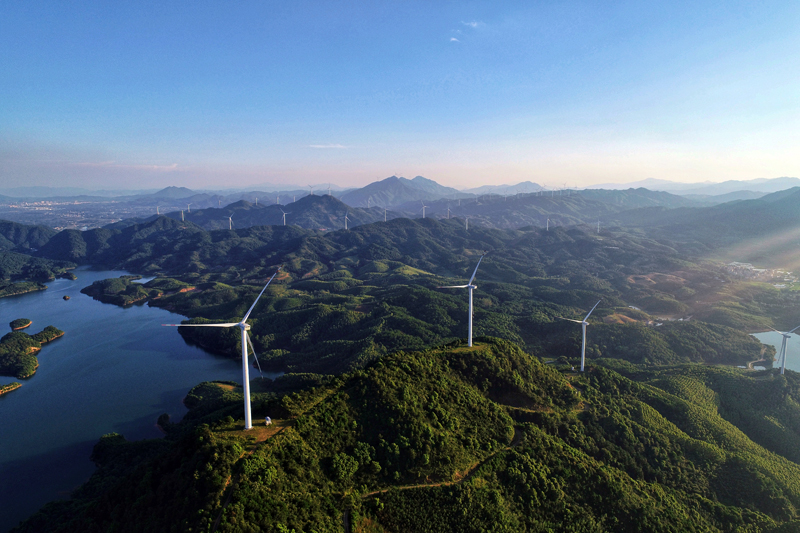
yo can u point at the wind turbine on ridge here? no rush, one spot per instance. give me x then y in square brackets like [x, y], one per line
[284, 216]
[471, 287]
[230, 222]
[244, 327]
[345, 220]
[423, 208]
[583, 324]
[782, 356]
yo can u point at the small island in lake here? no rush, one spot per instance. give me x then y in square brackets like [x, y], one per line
[20, 323]
[18, 351]
[4, 389]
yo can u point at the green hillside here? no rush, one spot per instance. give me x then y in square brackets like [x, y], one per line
[459, 439]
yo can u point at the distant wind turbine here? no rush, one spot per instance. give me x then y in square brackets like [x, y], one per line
[182, 220]
[284, 216]
[466, 223]
[189, 208]
[448, 213]
[384, 214]
[548, 224]
[598, 226]
[782, 355]
[583, 324]
[244, 327]
[278, 200]
[312, 190]
[230, 222]
[423, 208]
[345, 220]
[471, 287]
[157, 213]
[256, 200]
[329, 189]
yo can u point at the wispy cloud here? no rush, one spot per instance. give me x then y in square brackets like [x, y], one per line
[113, 164]
[338, 146]
[454, 40]
[472, 24]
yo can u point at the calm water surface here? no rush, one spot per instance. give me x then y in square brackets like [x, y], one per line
[792, 348]
[114, 370]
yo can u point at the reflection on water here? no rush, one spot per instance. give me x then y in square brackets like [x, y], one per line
[114, 370]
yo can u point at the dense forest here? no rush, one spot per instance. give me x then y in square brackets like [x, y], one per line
[459, 439]
[386, 421]
[18, 350]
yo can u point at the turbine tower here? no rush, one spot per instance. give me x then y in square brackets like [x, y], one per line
[471, 287]
[345, 220]
[243, 326]
[157, 213]
[230, 222]
[284, 216]
[423, 208]
[312, 190]
[782, 356]
[182, 215]
[583, 324]
[189, 208]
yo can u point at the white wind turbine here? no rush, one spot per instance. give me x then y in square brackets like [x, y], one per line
[423, 208]
[230, 222]
[243, 326]
[782, 355]
[189, 208]
[312, 190]
[284, 216]
[471, 287]
[583, 324]
[157, 213]
[345, 220]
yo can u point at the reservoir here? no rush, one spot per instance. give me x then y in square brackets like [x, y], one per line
[114, 370]
[792, 348]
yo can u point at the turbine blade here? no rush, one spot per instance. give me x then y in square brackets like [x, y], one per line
[259, 296]
[226, 325]
[569, 319]
[476, 270]
[595, 305]
[776, 331]
[454, 287]
[790, 331]
[246, 336]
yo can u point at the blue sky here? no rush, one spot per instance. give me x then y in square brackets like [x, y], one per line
[204, 94]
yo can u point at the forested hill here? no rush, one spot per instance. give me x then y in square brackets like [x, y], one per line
[762, 231]
[457, 439]
[347, 297]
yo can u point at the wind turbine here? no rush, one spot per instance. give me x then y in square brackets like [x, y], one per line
[284, 216]
[230, 222]
[329, 189]
[312, 190]
[423, 208]
[466, 223]
[256, 200]
[189, 208]
[471, 287]
[548, 224]
[278, 200]
[182, 215]
[782, 356]
[598, 226]
[157, 213]
[345, 220]
[243, 326]
[384, 214]
[583, 324]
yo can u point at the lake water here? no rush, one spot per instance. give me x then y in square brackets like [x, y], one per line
[114, 370]
[792, 348]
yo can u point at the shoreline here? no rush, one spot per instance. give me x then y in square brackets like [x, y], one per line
[5, 389]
